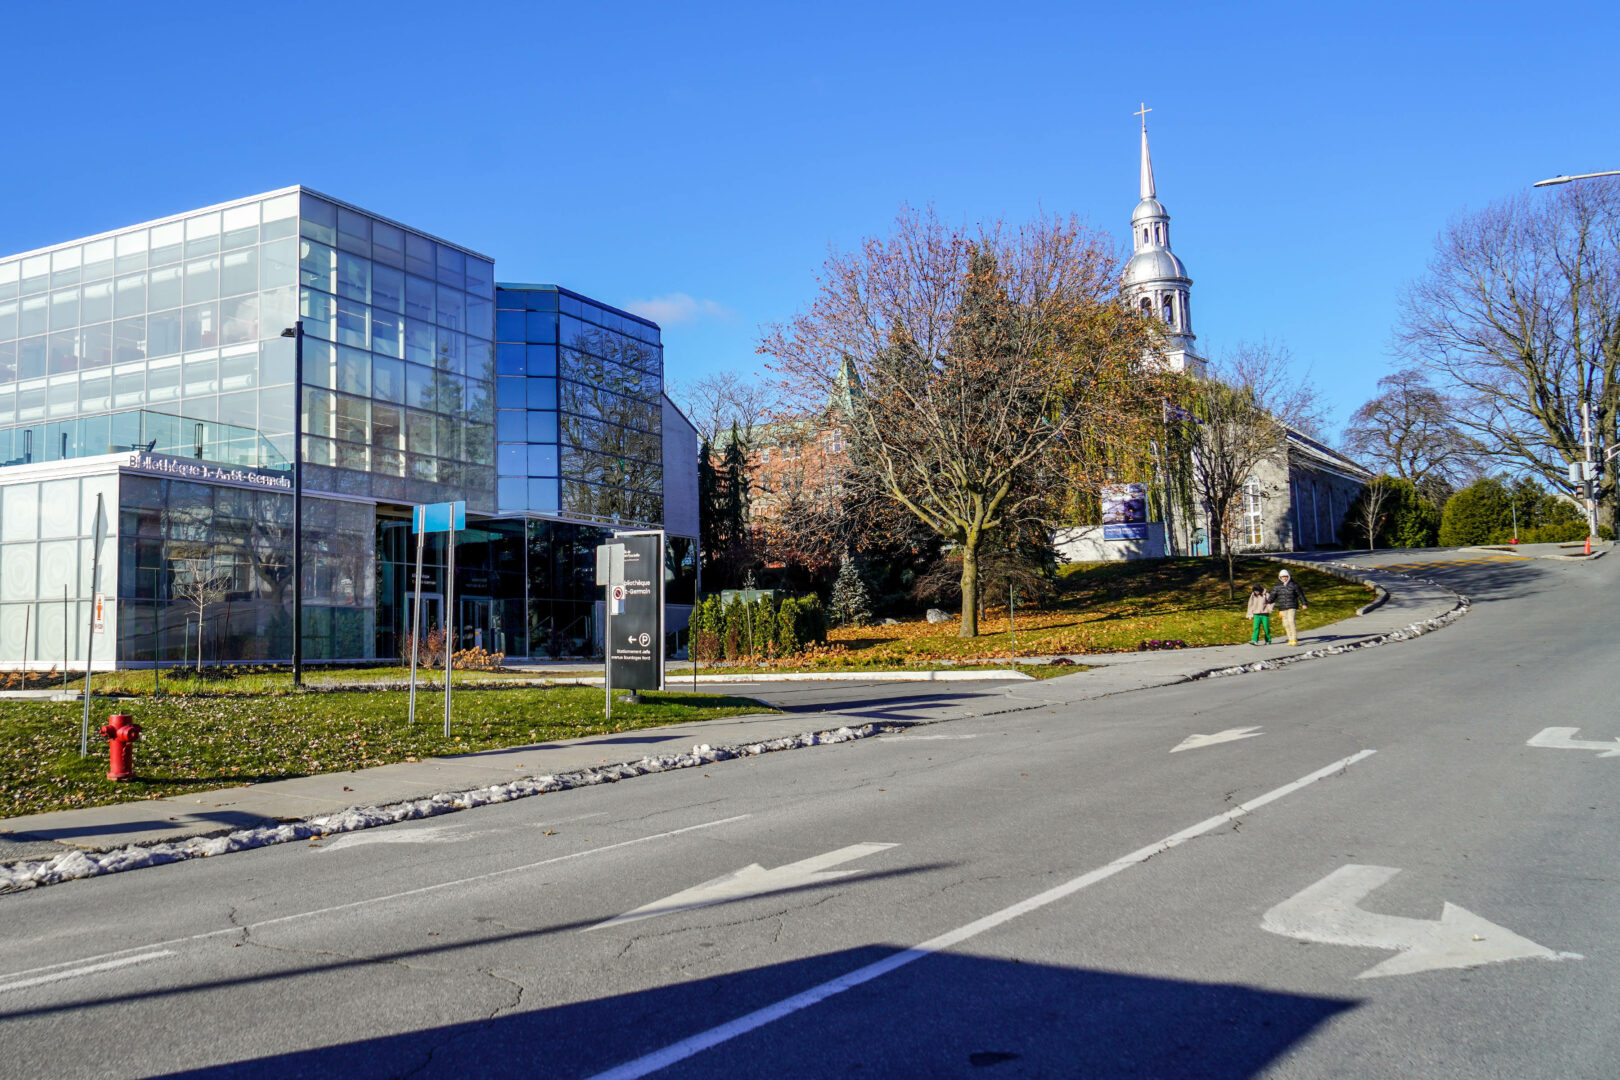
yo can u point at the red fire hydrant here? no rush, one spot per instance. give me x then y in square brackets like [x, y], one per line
[121, 732]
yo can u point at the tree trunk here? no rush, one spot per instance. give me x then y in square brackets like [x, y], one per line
[970, 589]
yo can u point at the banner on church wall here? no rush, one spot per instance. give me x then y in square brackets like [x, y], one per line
[1124, 512]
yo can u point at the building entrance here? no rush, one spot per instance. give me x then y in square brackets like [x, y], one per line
[472, 623]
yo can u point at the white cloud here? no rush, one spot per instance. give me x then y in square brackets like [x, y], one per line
[674, 308]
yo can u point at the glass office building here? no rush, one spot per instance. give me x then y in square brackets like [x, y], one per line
[149, 366]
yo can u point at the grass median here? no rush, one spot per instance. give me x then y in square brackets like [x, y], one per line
[195, 743]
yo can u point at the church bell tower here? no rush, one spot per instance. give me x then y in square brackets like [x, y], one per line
[1155, 281]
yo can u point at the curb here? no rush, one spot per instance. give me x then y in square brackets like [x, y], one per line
[74, 865]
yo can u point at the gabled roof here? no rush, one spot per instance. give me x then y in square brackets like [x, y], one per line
[1319, 455]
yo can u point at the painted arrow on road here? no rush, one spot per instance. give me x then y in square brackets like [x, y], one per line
[1327, 913]
[1563, 738]
[752, 880]
[1193, 742]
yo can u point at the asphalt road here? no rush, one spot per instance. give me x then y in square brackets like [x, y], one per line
[1047, 892]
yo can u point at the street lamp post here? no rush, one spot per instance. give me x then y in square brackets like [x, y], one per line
[1551, 180]
[296, 332]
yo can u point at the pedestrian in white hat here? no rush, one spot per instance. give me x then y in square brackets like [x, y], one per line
[1288, 599]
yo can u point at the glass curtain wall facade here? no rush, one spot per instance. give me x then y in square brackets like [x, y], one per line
[181, 318]
[579, 408]
[398, 360]
[158, 350]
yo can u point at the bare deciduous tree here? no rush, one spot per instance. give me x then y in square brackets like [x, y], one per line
[1232, 434]
[1267, 369]
[717, 401]
[974, 362]
[200, 586]
[1370, 510]
[1408, 431]
[1519, 312]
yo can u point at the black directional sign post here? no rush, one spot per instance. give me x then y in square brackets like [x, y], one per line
[634, 630]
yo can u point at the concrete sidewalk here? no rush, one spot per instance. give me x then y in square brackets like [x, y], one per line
[225, 810]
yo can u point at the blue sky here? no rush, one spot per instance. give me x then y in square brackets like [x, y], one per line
[705, 156]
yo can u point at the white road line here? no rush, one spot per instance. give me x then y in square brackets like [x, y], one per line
[40, 980]
[380, 899]
[696, 1044]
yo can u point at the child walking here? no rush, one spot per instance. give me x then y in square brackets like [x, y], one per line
[1260, 612]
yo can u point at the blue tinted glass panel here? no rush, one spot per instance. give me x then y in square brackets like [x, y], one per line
[512, 459]
[387, 288]
[509, 394]
[542, 461]
[509, 360]
[542, 394]
[542, 426]
[542, 359]
[541, 329]
[512, 494]
[480, 277]
[452, 267]
[510, 426]
[543, 496]
[509, 326]
[541, 300]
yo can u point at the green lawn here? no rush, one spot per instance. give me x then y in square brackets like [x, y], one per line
[1102, 608]
[192, 743]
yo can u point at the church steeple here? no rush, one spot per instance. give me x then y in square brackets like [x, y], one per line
[1147, 159]
[1155, 281]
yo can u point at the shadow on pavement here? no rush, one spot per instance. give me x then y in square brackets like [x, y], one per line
[229, 819]
[944, 1015]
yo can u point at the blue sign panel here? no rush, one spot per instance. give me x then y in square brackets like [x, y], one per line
[1134, 531]
[439, 517]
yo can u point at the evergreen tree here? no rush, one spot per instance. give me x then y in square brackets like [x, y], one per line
[709, 508]
[734, 489]
[850, 604]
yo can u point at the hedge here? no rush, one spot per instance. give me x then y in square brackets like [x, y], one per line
[759, 630]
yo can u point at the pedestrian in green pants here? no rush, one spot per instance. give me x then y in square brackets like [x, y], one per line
[1260, 612]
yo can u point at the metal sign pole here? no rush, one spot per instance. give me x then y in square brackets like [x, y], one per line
[90, 637]
[449, 620]
[418, 516]
[607, 653]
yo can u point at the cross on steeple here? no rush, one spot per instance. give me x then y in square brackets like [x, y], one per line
[1142, 112]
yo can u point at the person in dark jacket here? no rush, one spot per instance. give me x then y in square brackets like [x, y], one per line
[1289, 600]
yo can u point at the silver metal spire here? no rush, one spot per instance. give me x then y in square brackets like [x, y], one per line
[1147, 161]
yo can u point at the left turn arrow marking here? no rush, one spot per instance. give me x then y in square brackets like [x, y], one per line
[752, 880]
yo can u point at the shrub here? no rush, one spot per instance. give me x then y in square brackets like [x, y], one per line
[477, 659]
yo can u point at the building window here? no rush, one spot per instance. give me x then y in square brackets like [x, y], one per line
[1147, 307]
[1170, 310]
[1253, 517]
[1158, 233]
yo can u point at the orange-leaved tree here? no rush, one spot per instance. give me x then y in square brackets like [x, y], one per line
[975, 372]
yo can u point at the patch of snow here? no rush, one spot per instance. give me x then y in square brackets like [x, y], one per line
[84, 864]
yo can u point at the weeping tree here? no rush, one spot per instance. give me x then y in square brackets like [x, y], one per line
[974, 366]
